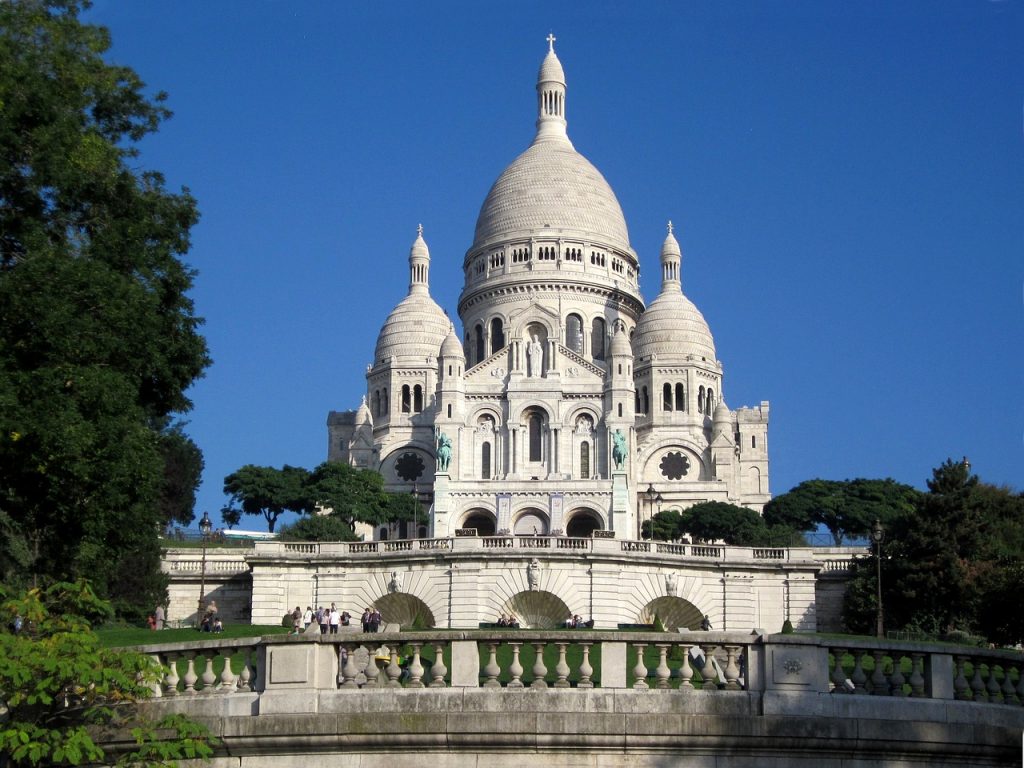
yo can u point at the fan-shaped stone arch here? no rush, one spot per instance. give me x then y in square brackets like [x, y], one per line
[583, 522]
[530, 521]
[537, 610]
[405, 610]
[674, 612]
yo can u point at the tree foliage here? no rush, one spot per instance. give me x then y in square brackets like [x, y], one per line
[59, 686]
[845, 507]
[266, 491]
[328, 527]
[953, 561]
[98, 338]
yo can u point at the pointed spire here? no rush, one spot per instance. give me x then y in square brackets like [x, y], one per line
[671, 259]
[551, 97]
[419, 264]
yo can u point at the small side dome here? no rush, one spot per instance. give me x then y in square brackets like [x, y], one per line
[451, 347]
[363, 415]
[551, 68]
[722, 421]
[721, 412]
[673, 328]
[620, 343]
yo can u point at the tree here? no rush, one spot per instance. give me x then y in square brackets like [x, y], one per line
[357, 495]
[845, 507]
[329, 527]
[58, 685]
[718, 521]
[266, 491]
[665, 526]
[183, 469]
[98, 338]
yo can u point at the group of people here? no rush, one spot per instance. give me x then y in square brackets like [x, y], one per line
[211, 620]
[371, 619]
[327, 619]
[508, 621]
[576, 622]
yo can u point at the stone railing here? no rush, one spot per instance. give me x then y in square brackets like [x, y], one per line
[788, 665]
[469, 544]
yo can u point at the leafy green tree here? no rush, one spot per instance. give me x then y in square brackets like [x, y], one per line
[664, 526]
[98, 338]
[267, 491]
[845, 507]
[58, 685]
[357, 495]
[718, 521]
[328, 527]
[183, 469]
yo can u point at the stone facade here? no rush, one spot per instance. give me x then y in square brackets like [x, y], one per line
[514, 426]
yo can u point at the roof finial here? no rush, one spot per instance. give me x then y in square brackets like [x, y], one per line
[670, 226]
[419, 230]
[551, 42]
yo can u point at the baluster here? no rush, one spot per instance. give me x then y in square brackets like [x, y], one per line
[247, 677]
[515, 669]
[171, 678]
[995, 691]
[858, 677]
[686, 671]
[208, 677]
[561, 668]
[586, 670]
[491, 669]
[158, 676]
[917, 675]
[372, 671]
[896, 679]
[838, 673]
[394, 670]
[1009, 693]
[640, 670]
[879, 685]
[539, 670]
[732, 668]
[960, 685]
[439, 670]
[226, 682]
[190, 673]
[347, 665]
[977, 684]
[416, 668]
[662, 673]
[709, 672]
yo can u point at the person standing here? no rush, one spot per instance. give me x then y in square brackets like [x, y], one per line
[307, 617]
[160, 617]
[365, 620]
[335, 619]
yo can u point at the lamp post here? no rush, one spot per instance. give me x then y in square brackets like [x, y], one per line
[650, 493]
[415, 512]
[205, 526]
[877, 535]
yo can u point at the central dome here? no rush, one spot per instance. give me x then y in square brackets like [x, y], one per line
[551, 189]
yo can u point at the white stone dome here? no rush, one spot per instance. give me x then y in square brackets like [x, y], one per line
[451, 347]
[551, 188]
[417, 326]
[672, 327]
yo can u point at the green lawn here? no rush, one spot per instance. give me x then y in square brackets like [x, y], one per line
[118, 637]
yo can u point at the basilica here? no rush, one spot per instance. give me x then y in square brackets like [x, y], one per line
[567, 405]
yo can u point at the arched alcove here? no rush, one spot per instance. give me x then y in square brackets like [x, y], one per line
[674, 612]
[531, 522]
[582, 523]
[537, 610]
[480, 519]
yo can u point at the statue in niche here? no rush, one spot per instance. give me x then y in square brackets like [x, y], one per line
[533, 574]
[535, 358]
[444, 450]
[619, 449]
[395, 583]
[671, 585]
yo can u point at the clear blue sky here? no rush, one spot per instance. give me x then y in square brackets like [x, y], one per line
[846, 179]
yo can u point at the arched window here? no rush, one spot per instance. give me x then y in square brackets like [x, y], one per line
[480, 352]
[709, 403]
[384, 405]
[680, 398]
[449, 410]
[574, 333]
[647, 401]
[406, 399]
[376, 401]
[497, 335]
[636, 402]
[485, 461]
[666, 397]
[597, 338]
[383, 535]
[535, 427]
[417, 399]
[700, 400]
[620, 410]
[584, 460]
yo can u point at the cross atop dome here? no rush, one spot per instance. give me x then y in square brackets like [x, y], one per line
[551, 42]
[670, 229]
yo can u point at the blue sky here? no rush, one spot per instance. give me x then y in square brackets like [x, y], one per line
[846, 181]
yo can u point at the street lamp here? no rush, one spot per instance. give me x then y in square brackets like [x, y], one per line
[877, 536]
[415, 512]
[650, 493]
[205, 526]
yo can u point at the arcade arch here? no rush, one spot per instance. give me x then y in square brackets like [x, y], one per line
[674, 612]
